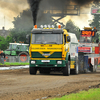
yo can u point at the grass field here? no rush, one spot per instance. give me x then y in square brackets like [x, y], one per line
[16, 63]
[92, 94]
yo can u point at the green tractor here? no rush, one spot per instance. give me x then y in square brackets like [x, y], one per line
[18, 50]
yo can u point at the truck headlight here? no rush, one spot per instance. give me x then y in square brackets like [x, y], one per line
[32, 62]
[59, 62]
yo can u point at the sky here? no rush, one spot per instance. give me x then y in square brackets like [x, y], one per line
[12, 8]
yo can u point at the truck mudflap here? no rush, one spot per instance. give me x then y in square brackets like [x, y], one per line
[83, 63]
[74, 67]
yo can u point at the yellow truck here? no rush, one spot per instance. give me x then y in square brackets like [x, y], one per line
[53, 49]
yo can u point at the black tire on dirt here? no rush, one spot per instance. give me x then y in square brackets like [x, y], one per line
[95, 65]
[95, 68]
[91, 67]
[76, 70]
[41, 71]
[66, 70]
[32, 70]
[23, 57]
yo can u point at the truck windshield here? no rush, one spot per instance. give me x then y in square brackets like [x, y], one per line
[47, 39]
[12, 46]
[84, 39]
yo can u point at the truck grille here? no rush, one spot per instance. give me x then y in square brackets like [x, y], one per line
[54, 55]
[45, 65]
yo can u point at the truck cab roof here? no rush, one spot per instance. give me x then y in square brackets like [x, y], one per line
[51, 31]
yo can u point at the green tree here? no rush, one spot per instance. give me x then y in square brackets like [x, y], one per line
[19, 35]
[8, 39]
[96, 22]
[23, 24]
[72, 28]
[4, 42]
[96, 19]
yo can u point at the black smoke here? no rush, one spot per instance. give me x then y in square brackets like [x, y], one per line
[84, 2]
[34, 8]
[55, 4]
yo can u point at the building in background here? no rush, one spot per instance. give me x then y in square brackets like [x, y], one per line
[4, 32]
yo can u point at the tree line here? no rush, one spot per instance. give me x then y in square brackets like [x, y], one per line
[23, 25]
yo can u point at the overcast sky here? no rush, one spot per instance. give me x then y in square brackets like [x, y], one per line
[12, 8]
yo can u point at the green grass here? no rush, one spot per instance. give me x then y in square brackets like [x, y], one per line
[98, 65]
[92, 94]
[16, 63]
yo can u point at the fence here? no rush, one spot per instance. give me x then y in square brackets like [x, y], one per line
[19, 59]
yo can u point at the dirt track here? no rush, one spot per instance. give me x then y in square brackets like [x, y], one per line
[19, 85]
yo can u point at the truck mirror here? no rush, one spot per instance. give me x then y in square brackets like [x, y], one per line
[28, 39]
[68, 38]
[97, 40]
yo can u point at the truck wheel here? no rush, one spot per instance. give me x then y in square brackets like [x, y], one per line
[41, 71]
[76, 70]
[91, 67]
[95, 68]
[32, 70]
[23, 56]
[66, 70]
[95, 65]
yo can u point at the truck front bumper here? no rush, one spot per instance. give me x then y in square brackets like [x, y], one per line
[47, 63]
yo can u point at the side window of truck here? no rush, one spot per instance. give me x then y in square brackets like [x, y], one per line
[64, 39]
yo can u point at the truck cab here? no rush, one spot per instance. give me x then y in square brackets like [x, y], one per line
[50, 50]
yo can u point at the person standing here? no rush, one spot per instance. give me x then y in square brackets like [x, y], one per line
[2, 56]
[86, 40]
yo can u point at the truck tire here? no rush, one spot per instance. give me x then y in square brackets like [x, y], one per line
[23, 57]
[32, 70]
[41, 70]
[91, 67]
[66, 70]
[95, 68]
[95, 65]
[76, 70]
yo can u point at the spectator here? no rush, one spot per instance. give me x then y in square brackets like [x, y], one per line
[86, 40]
[2, 56]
